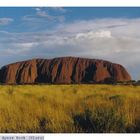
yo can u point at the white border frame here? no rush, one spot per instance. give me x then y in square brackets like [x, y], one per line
[120, 3]
[76, 136]
[74, 3]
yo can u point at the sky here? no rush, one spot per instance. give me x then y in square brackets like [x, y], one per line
[46, 32]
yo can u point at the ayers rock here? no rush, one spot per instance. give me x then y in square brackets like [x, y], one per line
[64, 70]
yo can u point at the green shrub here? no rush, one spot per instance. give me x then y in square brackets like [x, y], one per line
[100, 120]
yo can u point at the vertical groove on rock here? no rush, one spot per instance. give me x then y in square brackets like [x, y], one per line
[64, 70]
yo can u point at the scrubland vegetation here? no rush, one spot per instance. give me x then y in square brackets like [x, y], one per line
[70, 108]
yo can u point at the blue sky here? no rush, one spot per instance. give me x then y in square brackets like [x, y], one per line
[69, 14]
[46, 32]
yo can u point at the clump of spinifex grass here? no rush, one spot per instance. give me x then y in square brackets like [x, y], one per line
[70, 108]
[10, 90]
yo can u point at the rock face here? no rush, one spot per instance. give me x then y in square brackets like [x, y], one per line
[64, 70]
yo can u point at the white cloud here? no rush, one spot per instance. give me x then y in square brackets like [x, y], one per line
[116, 40]
[37, 9]
[59, 9]
[92, 35]
[42, 13]
[5, 21]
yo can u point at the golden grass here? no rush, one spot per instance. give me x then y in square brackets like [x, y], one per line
[70, 108]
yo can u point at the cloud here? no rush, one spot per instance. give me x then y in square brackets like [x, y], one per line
[59, 9]
[92, 35]
[5, 21]
[42, 13]
[55, 9]
[116, 40]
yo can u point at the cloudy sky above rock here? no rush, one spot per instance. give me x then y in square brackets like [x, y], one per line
[40, 32]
